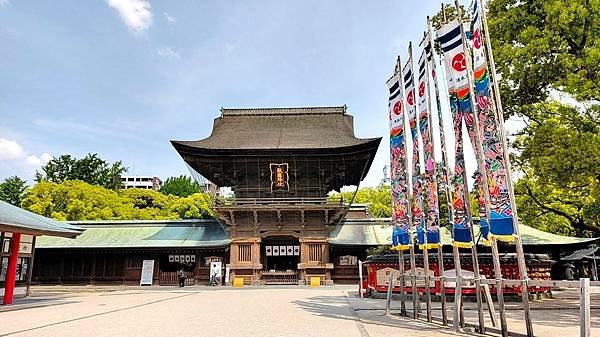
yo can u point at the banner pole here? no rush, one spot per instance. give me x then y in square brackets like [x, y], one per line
[519, 245]
[402, 282]
[413, 276]
[444, 165]
[478, 147]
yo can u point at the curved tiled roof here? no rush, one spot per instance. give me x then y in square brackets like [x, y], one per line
[280, 128]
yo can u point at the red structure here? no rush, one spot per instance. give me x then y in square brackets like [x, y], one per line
[380, 267]
[18, 230]
[11, 273]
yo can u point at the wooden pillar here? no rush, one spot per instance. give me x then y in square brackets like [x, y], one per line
[30, 271]
[93, 269]
[11, 273]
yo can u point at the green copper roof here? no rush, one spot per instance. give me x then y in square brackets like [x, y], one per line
[143, 234]
[15, 219]
[208, 233]
[374, 232]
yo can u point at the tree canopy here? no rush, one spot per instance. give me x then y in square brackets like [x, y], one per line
[548, 55]
[181, 186]
[378, 200]
[77, 200]
[91, 169]
[12, 190]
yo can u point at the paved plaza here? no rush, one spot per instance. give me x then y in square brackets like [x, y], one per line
[262, 311]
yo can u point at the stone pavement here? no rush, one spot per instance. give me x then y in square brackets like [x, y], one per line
[224, 311]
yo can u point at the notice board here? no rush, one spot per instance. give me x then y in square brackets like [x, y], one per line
[147, 272]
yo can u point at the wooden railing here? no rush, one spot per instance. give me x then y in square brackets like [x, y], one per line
[172, 278]
[279, 277]
[281, 201]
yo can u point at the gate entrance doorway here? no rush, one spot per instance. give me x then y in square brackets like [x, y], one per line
[280, 258]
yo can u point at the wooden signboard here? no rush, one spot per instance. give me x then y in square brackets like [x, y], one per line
[383, 276]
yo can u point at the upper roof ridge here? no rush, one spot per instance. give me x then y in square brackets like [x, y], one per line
[283, 111]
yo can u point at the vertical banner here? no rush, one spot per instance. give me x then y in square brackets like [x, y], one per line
[398, 174]
[431, 230]
[458, 91]
[413, 121]
[500, 222]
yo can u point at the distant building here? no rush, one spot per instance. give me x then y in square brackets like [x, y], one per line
[386, 177]
[143, 182]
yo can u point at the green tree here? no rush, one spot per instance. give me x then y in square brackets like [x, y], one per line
[378, 199]
[547, 53]
[91, 169]
[77, 200]
[543, 46]
[12, 190]
[560, 159]
[181, 186]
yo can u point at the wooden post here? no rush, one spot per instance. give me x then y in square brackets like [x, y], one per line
[413, 279]
[30, 271]
[11, 272]
[457, 314]
[442, 286]
[446, 175]
[498, 102]
[524, 282]
[480, 156]
[402, 282]
[360, 278]
[499, 287]
[426, 273]
[584, 308]
[388, 299]
[413, 274]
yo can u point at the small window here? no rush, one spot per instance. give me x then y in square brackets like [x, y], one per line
[245, 253]
[315, 252]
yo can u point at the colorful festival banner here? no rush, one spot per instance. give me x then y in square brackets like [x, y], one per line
[500, 225]
[431, 223]
[413, 121]
[398, 175]
[455, 62]
[445, 166]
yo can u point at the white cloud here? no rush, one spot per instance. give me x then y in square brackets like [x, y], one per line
[168, 53]
[135, 13]
[10, 149]
[38, 161]
[170, 19]
[4, 3]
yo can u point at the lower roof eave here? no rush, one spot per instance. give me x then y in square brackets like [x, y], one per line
[29, 231]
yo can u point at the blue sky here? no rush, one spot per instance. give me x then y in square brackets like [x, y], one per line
[122, 77]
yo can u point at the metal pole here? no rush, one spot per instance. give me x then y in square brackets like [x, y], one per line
[519, 244]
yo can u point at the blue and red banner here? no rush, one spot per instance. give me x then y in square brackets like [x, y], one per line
[449, 37]
[501, 210]
[428, 234]
[399, 173]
